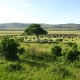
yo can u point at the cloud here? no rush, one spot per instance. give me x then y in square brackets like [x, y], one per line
[26, 5]
[7, 15]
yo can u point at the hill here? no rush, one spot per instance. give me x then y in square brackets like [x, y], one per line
[22, 26]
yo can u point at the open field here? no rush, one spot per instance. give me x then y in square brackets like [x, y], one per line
[64, 32]
[49, 32]
[10, 32]
[46, 46]
[37, 62]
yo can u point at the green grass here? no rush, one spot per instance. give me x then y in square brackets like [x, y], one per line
[49, 32]
[64, 32]
[40, 67]
[33, 70]
[2, 33]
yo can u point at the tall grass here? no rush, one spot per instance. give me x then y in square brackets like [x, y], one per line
[37, 63]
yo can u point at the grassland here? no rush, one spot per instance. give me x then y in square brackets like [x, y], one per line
[2, 33]
[49, 32]
[40, 68]
[64, 32]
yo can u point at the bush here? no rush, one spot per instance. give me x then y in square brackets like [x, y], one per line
[56, 50]
[21, 50]
[74, 46]
[9, 48]
[70, 44]
[72, 55]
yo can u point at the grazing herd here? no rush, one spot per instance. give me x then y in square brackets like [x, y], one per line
[49, 38]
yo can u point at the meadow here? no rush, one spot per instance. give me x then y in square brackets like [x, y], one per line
[49, 32]
[37, 62]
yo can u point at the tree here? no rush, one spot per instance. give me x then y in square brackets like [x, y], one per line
[73, 54]
[35, 29]
[56, 50]
[9, 48]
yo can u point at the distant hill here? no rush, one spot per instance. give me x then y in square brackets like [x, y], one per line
[62, 27]
[22, 26]
[13, 26]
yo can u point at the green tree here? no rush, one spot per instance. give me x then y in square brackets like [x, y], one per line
[73, 54]
[35, 29]
[9, 48]
[56, 50]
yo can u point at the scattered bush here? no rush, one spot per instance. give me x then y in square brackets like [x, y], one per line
[9, 48]
[72, 55]
[56, 50]
[70, 44]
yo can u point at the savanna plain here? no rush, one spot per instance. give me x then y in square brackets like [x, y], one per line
[39, 61]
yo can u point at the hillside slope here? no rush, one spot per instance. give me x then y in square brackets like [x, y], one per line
[22, 26]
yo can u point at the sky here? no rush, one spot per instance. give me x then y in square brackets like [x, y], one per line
[40, 11]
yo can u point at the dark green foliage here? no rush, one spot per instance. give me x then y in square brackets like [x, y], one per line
[72, 55]
[74, 46]
[9, 48]
[77, 64]
[70, 44]
[21, 50]
[56, 50]
[35, 29]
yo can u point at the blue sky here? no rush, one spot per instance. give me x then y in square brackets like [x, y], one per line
[40, 11]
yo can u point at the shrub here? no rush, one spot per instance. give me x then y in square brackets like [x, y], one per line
[56, 50]
[21, 50]
[9, 48]
[74, 46]
[72, 55]
[70, 44]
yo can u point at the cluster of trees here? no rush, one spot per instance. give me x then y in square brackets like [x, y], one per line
[71, 54]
